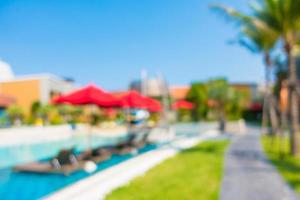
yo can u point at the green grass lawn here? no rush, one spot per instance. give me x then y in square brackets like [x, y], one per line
[192, 174]
[287, 165]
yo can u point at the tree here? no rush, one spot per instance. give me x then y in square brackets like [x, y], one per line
[236, 105]
[198, 95]
[35, 107]
[15, 114]
[281, 74]
[282, 17]
[69, 113]
[228, 102]
[258, 38]
[45, 111]
[220, 92]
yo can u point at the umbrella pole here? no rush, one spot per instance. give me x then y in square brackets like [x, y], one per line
[127, 119]
[90, 137]
[90, 128]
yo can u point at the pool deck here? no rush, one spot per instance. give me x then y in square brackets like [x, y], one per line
[27, 135]
[102, 183]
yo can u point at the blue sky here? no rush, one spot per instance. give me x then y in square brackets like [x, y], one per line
[108, 42]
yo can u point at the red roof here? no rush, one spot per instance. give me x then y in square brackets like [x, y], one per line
[179, 92]
[182, 104]
[212, 103]
[6, 101]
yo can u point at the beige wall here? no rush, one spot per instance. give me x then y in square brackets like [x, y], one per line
[25, 92]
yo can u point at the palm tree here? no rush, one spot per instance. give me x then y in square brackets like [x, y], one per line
[257, 38]
[15, 114]
[283, 17]
[45, 112]
[220, 92]
[263, 41]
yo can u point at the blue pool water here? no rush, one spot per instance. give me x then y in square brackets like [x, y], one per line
[12, 155]
[27, 186]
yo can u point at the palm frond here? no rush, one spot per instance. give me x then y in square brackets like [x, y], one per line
[257, 35]
[230, 13]
[245, 42]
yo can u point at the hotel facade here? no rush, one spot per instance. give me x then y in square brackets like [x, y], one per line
[26, 90]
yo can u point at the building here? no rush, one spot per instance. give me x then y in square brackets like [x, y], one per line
[178, 92]
[153, 87]
[24, 90]
[284, 88]
[253, 91]
[28, 89]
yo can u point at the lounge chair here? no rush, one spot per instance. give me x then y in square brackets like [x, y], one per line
[143, 140]
[134, 142]
[96, 155]
[64, 163]
[123, 147]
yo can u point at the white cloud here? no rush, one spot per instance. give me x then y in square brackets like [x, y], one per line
[6, 72]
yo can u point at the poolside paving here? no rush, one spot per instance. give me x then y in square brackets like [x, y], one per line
[248, 173]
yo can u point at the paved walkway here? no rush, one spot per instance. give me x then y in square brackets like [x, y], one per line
[248, 174]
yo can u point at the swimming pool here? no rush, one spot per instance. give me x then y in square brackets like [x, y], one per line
[27, 186]
[16, 154]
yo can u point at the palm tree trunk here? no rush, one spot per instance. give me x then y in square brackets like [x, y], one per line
[273, 115]
[293, 102]
[264, 124]
[294, 122]
[269, 110]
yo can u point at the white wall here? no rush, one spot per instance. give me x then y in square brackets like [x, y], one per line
[49, 84]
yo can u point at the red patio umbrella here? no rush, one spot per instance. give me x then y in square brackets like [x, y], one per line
[152, 105]
[133, 99]
[90, 94]
[183, 104]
